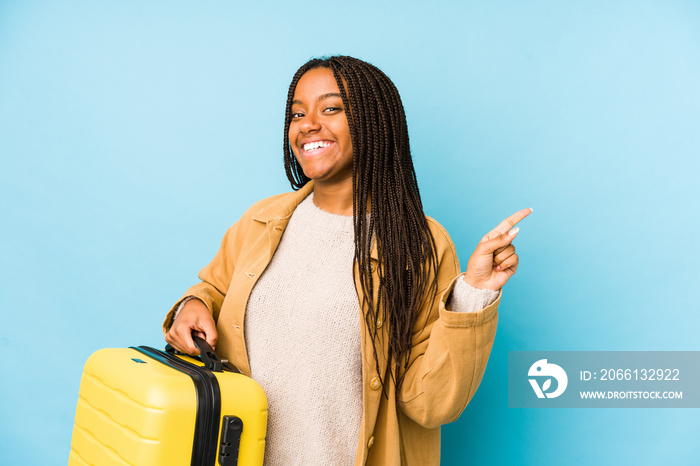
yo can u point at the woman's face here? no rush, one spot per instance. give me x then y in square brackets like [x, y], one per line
[319, 133]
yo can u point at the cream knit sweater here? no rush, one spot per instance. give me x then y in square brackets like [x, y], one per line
[302, 332]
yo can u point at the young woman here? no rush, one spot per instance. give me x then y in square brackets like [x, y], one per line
[342, 299]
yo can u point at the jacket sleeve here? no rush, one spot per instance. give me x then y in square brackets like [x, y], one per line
[216, 278]
[450, 349]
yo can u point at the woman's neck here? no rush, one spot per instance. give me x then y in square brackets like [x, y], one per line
[334, 199]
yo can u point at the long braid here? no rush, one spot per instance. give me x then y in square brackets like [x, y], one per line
[383, 175]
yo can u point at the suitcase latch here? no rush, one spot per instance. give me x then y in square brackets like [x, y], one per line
[230, 440]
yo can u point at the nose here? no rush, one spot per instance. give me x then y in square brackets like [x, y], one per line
[309, 123]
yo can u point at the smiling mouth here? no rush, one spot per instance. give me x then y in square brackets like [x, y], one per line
[316, 145]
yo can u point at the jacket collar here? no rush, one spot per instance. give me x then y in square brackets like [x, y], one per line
[283, 207]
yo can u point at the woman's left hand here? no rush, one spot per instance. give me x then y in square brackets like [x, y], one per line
[494, 261]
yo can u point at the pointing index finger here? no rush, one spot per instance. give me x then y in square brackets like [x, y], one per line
[509, 223]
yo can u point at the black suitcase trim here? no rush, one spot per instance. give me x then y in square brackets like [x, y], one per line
[206, 428]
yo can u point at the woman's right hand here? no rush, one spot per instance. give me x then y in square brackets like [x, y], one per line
[193, 319]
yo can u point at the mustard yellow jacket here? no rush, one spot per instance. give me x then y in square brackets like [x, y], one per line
[447, 361]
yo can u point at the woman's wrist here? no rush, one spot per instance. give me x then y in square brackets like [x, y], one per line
[181, 305]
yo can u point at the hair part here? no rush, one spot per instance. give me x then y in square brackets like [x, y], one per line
[383, 174]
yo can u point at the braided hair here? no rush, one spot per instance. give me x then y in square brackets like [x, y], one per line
[383, 175]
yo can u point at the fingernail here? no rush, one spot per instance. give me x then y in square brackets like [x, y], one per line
[514, 231]
[531, 209]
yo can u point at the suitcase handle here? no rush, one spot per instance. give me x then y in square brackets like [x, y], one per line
[206, 353]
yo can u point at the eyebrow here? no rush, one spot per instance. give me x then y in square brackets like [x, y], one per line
[321, 97]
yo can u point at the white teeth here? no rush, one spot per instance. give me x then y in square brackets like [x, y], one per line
[315, 145]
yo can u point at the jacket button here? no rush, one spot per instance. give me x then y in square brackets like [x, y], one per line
[374, 384]
[371, 442]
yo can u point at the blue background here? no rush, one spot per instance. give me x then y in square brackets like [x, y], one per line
[132, 134]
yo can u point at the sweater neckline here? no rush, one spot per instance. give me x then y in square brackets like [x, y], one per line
[312, 214]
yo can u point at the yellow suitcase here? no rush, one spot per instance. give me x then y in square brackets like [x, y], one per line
[144, 407]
